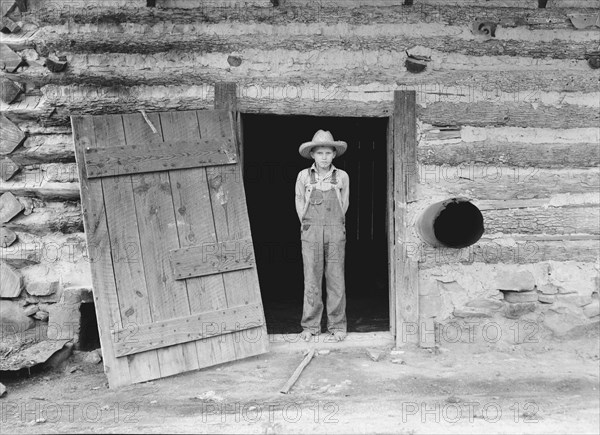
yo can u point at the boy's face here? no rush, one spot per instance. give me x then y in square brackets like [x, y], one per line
[323, 156]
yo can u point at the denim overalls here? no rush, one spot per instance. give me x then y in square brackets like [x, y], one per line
[324, 244]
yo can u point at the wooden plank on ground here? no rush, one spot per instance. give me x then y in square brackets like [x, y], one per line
[134, 304]
[105, 291]
[120, 160]
[292, 380]
[211, 258]
[195, 224]
[186, 329]
[158, 234]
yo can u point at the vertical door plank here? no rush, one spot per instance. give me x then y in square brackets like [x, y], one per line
[195, 226]
[158, 234]
[232, 222]
[105, 292]
[134, 304]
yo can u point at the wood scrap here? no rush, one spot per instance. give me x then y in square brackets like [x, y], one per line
[9, 60]
[7, 237]
[8, 168]
[292, 380]
[12, 281]
[9, 90]
[11, 136]
[9, 207]
[9, 26]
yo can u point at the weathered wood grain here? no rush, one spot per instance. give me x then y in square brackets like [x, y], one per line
[523, 155]
[456, 77]
[126, 253]
[43, 189]
[136, 158]
[62, 217]
[514, 114]
[508, 183]
[285, 14]
[155, 213]
[520, 252]
[231, 222]
[185, 329]
[96, 231]
[543, 220]
[195, 224]
[405, 184]
[45, 148]
[212, 258]
[113, 43]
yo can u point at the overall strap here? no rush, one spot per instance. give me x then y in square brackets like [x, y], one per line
[313, 178]
[334, 177]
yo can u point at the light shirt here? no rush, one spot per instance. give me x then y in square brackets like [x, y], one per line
[304, 187]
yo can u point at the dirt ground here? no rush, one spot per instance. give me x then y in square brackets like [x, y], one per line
[460, 388]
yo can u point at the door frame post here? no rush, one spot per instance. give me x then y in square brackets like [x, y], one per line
[405, 179]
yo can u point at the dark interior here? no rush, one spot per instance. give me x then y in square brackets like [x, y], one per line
[460, 224]
[271, 165]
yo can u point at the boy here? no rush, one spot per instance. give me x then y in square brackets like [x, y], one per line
[322, 193]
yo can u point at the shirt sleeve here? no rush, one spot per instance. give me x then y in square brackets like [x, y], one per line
[345, 192]
[300, 191]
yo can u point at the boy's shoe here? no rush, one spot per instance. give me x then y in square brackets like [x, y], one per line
[307, 334]
[336, 336]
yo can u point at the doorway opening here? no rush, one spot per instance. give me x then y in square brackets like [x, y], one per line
[271, 165]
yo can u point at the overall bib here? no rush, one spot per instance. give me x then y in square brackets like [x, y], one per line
[323, 247]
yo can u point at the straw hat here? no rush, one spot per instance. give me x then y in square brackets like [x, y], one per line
[322, 139]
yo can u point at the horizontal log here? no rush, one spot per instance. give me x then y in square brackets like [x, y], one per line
[431, 135]
[63, 217]
[520, 252]
[45, 148]
[550, 155]
[509, 114]
[561, 200]
[44, 190]
[104, 74]
[505, 182]
[114, 43]
[528, 4]
[287, 14]
[327, 101]
[60, 251]
[542, 220]
[37, 174]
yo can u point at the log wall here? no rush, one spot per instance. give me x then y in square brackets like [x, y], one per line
[508, 106]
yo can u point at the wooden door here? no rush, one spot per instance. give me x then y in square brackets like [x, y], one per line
[169, 242]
